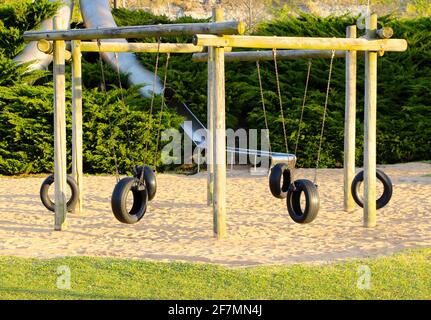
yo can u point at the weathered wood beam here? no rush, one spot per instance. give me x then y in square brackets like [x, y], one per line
[77, 143]
[370, 124]
[350, 123]
[385, 33]
[219, 136]
[300, 43]
[268, 55]
[140, 47]
[60, 160]
[164, 30]
[48, 48]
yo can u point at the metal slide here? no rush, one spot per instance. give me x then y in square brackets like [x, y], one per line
[40, 60]
[97, 13]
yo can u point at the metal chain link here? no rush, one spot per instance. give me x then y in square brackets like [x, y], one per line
[324, 115]
[125, 109]
[263, 102]
[156, 69]
[111, 133]
[168, 57]
[277, 77]
[304, 100]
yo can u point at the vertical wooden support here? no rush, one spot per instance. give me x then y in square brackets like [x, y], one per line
[219, 139]
[77, 167]
[210, 125]
[350, 123]
[370, 128]
[60, 165]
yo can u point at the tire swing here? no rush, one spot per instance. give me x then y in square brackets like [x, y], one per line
[48, 203]
[143, 184]
[280, 175]
[282, 183]
[384, 199]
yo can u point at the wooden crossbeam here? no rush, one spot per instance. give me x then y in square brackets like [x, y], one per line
[300, 43]
[185, 29]
[140, 47]
[268, 55]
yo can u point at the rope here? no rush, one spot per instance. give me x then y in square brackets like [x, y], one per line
[324, 115]
[263, 101]
[125, 109]
[161, 110]
[277, 76]
[156, 69]
[111, 133]
[301, 120]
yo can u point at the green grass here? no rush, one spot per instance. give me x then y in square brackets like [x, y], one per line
[403, 276]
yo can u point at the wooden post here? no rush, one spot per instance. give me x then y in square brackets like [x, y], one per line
[350, 123]
[219, 140]
[210, 125]
[77, 167]
[210, 122]
[60, 165]
[370, 128]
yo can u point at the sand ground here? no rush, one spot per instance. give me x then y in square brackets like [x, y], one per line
[178, 224]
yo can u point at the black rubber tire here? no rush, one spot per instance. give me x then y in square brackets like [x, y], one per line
[294, 201]
[119, 201]
[280, 180]
[150, 180]
[387, 191]
[48, 203]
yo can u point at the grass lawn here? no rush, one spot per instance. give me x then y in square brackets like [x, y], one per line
[402, 276]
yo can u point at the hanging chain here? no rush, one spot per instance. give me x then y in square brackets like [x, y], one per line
[304, 100]
[263, 102]
[168, 57]
[277, 76]
[324, 115]
[111, 133]
[156, 69]
[125, 109]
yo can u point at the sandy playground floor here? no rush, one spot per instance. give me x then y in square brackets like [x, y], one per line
[178, 224]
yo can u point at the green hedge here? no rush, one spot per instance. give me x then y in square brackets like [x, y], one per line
[404, 102]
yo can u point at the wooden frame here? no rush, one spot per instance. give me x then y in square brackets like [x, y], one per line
[218, 40]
